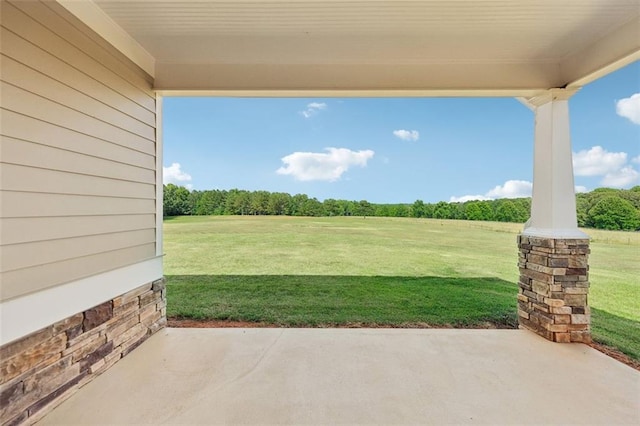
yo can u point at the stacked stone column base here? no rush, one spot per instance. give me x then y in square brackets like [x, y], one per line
[39, 371]
[554, 288]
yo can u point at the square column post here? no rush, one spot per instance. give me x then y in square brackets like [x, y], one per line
[553, 259]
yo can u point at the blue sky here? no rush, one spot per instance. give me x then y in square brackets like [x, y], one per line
[396, 150]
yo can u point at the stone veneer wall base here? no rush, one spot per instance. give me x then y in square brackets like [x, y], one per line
[39, 371]
[554, 287]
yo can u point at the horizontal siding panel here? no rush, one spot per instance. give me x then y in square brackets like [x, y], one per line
[24, 281]
[29, 204]
[63, 23]
[30, 179]
[22, 127]
[25, 230]
[19, 256]
[33, 81]
[32, 31]
[24, 102]
[26, 53]
[17, 151]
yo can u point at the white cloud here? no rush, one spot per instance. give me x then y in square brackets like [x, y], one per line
[313, 108]
[597, 162]
[174, 174]
[612, 166]
[626, 176]
[407, 135]
[629, 108]
[329, 166]
[580, 188]
[510, 189]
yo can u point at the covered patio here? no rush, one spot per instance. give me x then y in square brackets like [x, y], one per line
[357, 376]
[81, 269]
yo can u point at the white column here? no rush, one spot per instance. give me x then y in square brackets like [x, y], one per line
[553, 204]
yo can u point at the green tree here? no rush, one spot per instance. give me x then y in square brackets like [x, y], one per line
[473, 211]
[507, 211]
[280, 203]
[364, 208]
[176, 200]
[614, 213]
[417, 209]
[442, 210]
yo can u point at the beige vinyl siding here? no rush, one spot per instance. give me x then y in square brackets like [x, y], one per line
[25, 128]
[77, 152]
[23, 281]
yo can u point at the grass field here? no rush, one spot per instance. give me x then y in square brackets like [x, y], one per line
[378, 271]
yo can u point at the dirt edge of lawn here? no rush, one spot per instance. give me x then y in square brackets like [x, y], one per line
[190, 323]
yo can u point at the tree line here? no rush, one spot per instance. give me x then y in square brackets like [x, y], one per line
[603, 208]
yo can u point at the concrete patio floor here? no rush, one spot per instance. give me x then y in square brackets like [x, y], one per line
[357, 376]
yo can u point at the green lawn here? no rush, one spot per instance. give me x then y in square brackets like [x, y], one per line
[382, 271]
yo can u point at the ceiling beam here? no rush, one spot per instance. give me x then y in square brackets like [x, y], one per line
[471, 79]
[619, 48]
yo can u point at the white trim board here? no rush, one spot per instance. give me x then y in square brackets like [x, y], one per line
[24, 315]
[96, 19]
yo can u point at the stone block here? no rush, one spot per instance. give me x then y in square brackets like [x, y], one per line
[580, 319]
[135, 293]
[576, 290]
[577, 262]
[557, 328]
[47, 384]
[161, 323]
[150, 297]
[148, 320]
[74, 332]
[46, 374]
[82, 348]
[16, 421]
[562, 337]
[575, 299]
[97, 315]
[40, 355]
[68, 323]
[540, 287]
[132, 333]
[126, 308]
[542, 242]
[56, 394]
[538, 276]
[575, 271]
[540, 307]
[541, 317]
[159, 285]
[562, 319]
[581, 336]
[561, 310]
[578, 327]
[122, 326]
[11, 349]
[561, 262]
[9, 395]
[555, 303]
[77, 341]
[95, 356]
[537, 259]
[147, 311]
[565, 278]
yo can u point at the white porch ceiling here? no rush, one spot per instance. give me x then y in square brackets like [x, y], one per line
[500, 47]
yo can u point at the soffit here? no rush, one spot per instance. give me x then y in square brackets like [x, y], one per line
[425, 44]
